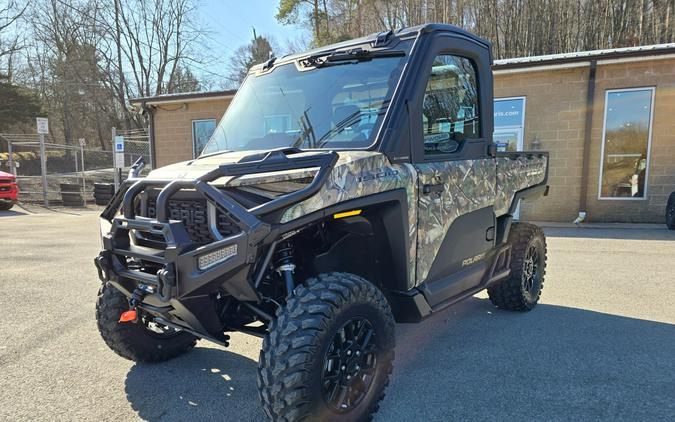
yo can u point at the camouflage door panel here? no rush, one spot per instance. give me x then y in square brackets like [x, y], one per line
[363, 173]
[516, 172]
[469, 186]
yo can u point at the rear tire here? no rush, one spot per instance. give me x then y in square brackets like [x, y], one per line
[135, 341]
[522, 289]
[328, 353]
[670, 212]
[6, 206]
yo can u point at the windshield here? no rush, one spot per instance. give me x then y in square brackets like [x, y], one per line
[336, 106]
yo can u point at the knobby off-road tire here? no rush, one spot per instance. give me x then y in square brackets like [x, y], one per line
[522, 289]
[305, 358]
[670, 212]
[135, 341]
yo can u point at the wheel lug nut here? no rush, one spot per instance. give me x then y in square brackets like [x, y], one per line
[349, 377]
[358, 367]
[349, 352]
[343, 367]
[358, 353]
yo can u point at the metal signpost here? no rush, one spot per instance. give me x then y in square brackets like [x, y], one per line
[42, 129]
[83, 143]
[118, 157]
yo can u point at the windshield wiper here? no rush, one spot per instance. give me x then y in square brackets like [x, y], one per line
[348, 56]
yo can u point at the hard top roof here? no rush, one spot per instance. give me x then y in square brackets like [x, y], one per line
[401, 33]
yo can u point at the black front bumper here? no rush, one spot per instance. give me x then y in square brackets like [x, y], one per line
[175, 272]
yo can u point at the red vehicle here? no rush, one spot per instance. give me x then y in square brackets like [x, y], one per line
[8, 190]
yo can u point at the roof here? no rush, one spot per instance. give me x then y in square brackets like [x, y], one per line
[184, 97]
[584, 56]
[401, 33]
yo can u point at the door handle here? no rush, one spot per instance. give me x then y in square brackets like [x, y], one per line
[427, 189]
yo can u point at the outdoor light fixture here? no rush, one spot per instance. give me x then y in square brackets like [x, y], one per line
[212, 258]
[536, 143]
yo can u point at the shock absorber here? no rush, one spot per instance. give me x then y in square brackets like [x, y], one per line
[283, 262]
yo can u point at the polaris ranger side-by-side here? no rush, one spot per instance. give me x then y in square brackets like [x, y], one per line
[345, 188]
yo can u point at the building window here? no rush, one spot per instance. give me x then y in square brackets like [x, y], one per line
[201, 133]
[450, 109]
[509, 123]
[278, 123]
[626, 140]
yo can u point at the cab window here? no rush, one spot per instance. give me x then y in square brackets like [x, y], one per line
[450, 112]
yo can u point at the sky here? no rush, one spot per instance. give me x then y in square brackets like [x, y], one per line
[231, 25]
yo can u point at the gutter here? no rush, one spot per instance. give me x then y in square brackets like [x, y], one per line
[599, 55]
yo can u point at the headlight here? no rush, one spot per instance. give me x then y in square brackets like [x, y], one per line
[216, 257]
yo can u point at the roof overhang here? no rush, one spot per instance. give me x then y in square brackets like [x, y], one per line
[583, 58]
[183, 98]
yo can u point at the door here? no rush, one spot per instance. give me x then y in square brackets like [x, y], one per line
[456, 180]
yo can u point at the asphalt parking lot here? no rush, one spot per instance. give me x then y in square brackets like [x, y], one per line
[600, 346]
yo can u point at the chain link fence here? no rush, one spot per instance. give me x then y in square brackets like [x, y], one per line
[71, 168]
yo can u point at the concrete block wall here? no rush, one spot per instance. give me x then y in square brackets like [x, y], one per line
[554, 114]
[173, 127]
[661, 177]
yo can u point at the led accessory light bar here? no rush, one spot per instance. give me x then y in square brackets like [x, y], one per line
[212, 258]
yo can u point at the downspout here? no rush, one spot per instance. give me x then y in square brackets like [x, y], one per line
[590, 102]
[150, 110]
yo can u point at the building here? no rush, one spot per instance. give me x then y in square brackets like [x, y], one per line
[181, 124]
[605, 116]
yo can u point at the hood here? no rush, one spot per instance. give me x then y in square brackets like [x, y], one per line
[196, 168]
[4, 175]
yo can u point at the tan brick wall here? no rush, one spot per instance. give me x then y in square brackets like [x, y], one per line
[554, 114]
[555, 107]
[661, 178]
[173, 127]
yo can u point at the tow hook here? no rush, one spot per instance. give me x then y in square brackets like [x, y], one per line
[103, 265]
[136, 297]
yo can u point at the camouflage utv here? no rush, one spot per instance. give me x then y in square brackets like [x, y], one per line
[344, 189]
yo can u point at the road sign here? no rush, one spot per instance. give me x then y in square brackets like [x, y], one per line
[119, 143]
[83, 143]
[42, 125]
[119, 160]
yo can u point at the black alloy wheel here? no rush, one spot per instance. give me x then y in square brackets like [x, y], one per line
[531, 269]
[350, 365]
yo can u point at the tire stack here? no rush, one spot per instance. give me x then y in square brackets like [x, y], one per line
[103, 193]
[71, 195]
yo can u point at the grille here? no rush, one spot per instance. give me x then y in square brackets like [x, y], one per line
[194, 215]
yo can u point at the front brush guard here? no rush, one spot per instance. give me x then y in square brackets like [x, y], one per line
[180, 274]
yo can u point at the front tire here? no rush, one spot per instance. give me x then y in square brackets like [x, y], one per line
[522, 289]
[670, 212]
[142, 341]
[6, 206]
[328, 353]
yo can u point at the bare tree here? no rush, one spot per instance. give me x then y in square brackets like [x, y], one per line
[515, 27]
[10, 39]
